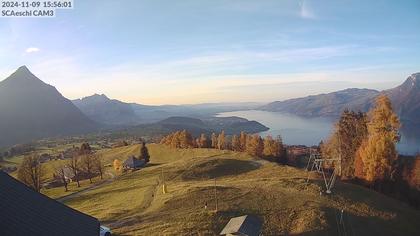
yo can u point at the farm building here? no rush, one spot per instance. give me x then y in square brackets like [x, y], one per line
[26, 212]
[68, 174]
[246, 225]
[133, 163]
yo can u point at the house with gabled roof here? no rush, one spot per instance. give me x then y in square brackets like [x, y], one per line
[133, 163]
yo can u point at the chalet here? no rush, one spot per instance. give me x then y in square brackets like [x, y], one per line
[246, 225]
[26, 212]
[133, 163]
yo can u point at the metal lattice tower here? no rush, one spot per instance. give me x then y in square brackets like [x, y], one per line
[318, 164]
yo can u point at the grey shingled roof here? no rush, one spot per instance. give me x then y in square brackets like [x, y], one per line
[23, 211]
[245, 225]
[133, 162]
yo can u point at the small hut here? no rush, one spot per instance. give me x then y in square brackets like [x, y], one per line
[246, 225]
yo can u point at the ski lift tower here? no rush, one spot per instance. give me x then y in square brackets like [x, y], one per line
[328, 168]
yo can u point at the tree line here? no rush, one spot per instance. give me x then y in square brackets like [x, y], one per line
[366, 145]
[82, 165]
[253, 144]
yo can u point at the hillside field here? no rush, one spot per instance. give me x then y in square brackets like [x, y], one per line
[134, 203]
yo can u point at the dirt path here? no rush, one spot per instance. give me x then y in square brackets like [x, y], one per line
[94, 186]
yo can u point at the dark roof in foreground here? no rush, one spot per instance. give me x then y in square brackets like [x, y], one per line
[23, 211]
[243, 225]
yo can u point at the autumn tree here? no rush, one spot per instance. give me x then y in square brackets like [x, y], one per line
[236, 145]
[349, 133]
[254, 145]
[378, 152]
[359, 167]
[242, 140]
[117, 165]
[186, 139]
[87, 163]
[221, 141]
[413, 177]
[75, 165]
[269, 146]
[144, 153]
[31, 172]
[204, 142]
[273, 148]
[213, 140]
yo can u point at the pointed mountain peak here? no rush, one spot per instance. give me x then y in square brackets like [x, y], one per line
[24, 72]
[23, 69]
[22, 76]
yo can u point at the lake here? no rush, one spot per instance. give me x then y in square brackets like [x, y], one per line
[310, 131]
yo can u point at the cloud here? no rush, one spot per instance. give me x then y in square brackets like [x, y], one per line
[32, 50]
[305, 11]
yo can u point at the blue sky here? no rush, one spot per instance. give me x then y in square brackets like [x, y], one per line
[194, 51]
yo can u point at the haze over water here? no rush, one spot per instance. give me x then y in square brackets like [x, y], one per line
[310, 131]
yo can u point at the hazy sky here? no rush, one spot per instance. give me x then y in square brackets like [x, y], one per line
[193, 51]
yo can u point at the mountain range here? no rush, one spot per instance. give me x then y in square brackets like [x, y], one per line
[31, 109]
[108, 111]
[405, 99]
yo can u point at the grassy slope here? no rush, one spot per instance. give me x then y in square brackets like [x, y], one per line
[134, 203]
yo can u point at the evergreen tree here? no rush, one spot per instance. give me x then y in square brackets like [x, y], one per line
[144, 153]
[280, 151]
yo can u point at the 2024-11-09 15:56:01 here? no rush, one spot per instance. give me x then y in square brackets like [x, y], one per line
[45, 4]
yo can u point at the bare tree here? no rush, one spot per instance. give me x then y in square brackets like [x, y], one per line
[97, 165]
[88, 165]
[60, 174]
[74, 165]
[31, 172]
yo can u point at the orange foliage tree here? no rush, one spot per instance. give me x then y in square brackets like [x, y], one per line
[378, 153]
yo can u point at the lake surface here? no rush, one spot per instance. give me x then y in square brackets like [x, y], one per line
[310, 131]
